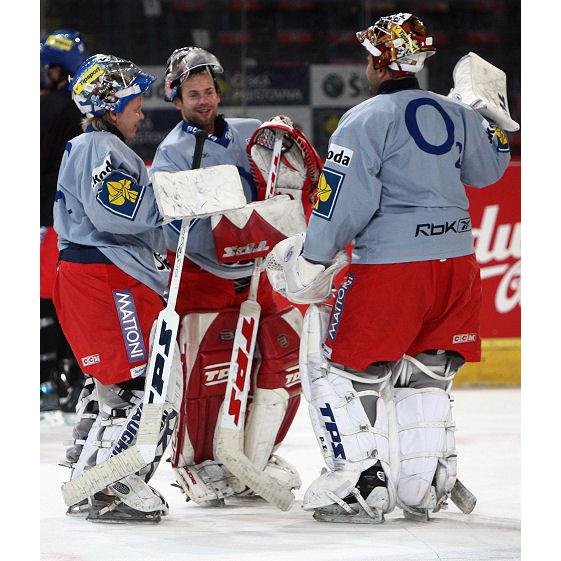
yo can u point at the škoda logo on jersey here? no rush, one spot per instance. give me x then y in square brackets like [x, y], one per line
[339, 155]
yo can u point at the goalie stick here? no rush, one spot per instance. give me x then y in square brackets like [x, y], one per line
[158, 372]
[229, 442]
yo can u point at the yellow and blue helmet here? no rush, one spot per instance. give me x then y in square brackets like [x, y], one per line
[64, 47]
[107, 83]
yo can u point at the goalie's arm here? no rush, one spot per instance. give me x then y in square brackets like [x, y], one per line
[486, 153]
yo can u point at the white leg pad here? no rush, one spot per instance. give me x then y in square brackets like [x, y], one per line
[426, 441]
[265, 416]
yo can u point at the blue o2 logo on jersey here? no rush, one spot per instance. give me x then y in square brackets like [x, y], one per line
[120, 194]
[330, 182]
[413, 126]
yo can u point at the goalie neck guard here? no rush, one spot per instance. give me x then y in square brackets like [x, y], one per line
[399, 41]
[300, 165]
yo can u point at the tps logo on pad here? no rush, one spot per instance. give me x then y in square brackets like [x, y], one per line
[330, 182]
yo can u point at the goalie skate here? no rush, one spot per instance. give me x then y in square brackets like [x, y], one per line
[108, 509]
[365, 504]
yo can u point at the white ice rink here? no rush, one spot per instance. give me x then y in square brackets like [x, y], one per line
[488, 443]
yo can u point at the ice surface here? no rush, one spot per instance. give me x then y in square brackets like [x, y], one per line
[488, 443]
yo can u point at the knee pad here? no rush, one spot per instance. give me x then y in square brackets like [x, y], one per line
[276, 388]
[347, 437]
[428, 458]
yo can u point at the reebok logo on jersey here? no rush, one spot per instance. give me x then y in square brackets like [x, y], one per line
[464, 338]
[330, 182]
[339, 155]
[456, 226]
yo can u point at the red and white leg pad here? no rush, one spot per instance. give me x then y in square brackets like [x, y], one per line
[276, 394]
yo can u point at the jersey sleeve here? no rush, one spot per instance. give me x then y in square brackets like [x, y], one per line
[487, 152]
[349, 190]
[120, 198]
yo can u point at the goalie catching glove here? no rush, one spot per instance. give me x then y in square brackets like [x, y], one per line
[300, 164]
[483, 86]
[298, 279]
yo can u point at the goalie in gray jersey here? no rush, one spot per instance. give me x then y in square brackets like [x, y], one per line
[111, 282]
[378, 365]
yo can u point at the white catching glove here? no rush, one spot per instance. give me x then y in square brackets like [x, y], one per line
[297, 279]
[483, 86]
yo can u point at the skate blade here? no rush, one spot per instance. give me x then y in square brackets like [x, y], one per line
[79, 509]
[417, 516]
[121, 518]
[361, 517]
[463, 498]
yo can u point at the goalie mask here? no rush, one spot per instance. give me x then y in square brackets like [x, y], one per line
[181, 64]
[400, 41]
[107, 83]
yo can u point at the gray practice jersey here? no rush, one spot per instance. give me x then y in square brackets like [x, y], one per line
[175, 153]
[104, 200]
[394, 177]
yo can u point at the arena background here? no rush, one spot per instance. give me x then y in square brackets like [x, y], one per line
[301, 58]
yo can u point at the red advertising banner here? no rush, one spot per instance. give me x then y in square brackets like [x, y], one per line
[495, 213]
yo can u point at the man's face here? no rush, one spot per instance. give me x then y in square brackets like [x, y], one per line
[199, 101]
[129, 119]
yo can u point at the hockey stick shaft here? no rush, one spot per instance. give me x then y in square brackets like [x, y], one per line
[230, 436]
[157, 380]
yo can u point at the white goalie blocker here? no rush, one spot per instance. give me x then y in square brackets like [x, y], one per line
[196, 193]
[483, 86]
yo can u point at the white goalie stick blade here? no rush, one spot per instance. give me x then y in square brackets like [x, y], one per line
[462, 497]
[143, 451]
[198, 193]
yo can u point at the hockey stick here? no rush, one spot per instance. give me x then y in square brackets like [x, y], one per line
[158, 372]
[229, 443]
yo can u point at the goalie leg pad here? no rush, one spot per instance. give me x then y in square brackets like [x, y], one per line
[352, 441]
[277, 390]
[206, 341]
[428, 465]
